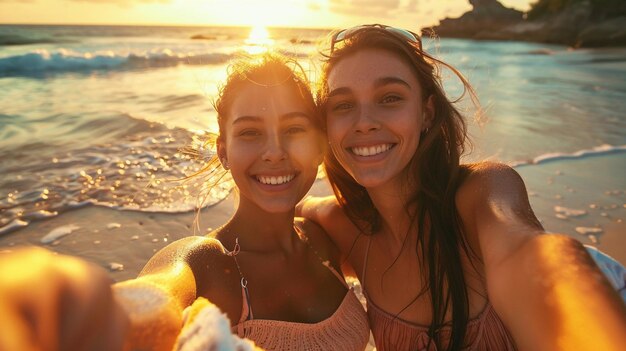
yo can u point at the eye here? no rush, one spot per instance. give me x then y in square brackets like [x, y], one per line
[341, 106]
[296, 130]
[390, 99]
[249, 133]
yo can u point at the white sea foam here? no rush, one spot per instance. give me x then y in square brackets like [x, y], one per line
[557, 156]
[44, 214]
[61, 60]
[113, 225]
[589, 230]
[132, 174]
[569, 212]
[58, 233]
[13, 225]
[115, 266]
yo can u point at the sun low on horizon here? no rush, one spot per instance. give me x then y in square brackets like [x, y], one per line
[411, 14]
[259, 40]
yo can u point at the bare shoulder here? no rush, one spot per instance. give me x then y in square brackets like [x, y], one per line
[187, 250]
[201, 256]
[492, 187]
[328, 213]
[318, 239]
[489, 178]
[322, 210]
[493, 204]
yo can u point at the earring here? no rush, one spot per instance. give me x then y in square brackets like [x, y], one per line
[224, 163]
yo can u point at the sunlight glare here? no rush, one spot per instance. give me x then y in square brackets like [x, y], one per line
[258, 40]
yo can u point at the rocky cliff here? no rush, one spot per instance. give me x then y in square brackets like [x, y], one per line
[576, 25]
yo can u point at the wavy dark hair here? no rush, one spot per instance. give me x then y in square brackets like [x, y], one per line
[432, 189]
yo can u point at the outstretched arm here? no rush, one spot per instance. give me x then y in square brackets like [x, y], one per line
[57, 302]
[545, 287]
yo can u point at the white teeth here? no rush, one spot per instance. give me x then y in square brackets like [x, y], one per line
[275, 180]
[371, 150]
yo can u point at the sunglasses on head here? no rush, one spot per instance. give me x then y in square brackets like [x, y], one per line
[347, 33]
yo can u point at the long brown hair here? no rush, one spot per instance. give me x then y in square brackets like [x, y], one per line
[432, 189]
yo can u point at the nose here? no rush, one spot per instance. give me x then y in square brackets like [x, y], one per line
[274, 149]
[365, 120]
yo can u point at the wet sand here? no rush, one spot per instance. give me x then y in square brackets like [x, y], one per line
[584, 198]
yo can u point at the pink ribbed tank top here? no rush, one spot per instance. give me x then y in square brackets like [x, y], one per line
[346, 329]
[485, 332]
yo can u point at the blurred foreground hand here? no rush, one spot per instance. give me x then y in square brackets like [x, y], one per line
[56, 302]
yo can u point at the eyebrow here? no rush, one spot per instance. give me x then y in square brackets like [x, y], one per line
[339, 91]
[286, 116]
[377, 84]
[390, 80]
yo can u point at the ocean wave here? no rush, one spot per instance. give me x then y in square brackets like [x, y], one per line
[559, 156]
[44, 61]
[70, 129]
[142, 170]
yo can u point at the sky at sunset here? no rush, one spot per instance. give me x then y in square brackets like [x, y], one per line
[412, 14]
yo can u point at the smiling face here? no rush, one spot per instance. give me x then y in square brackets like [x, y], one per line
[271, 145]
[374, 116]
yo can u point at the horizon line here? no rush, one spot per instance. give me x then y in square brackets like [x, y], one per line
[159, 25]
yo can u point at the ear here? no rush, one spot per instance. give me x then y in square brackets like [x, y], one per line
[429, 112]
[221, 152]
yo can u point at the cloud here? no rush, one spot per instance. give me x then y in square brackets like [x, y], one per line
[423, 8]
[122, 2]
[313, 6]
[382, 8]
[411, 14]
[412, 5]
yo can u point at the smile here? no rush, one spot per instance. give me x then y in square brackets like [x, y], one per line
[275, 180]
[371, 150]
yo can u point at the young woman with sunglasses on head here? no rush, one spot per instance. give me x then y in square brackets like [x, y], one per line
[275, 276]
[450, 256]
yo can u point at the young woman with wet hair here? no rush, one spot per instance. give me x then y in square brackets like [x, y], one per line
[450, 256]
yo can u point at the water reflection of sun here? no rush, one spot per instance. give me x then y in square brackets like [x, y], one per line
[258, 40]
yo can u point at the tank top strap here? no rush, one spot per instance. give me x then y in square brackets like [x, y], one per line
[367, 251]
[325, 263]
[341, 279]
[246, 307]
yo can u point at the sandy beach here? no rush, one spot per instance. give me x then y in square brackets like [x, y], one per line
[582, 198]
[568, 196]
